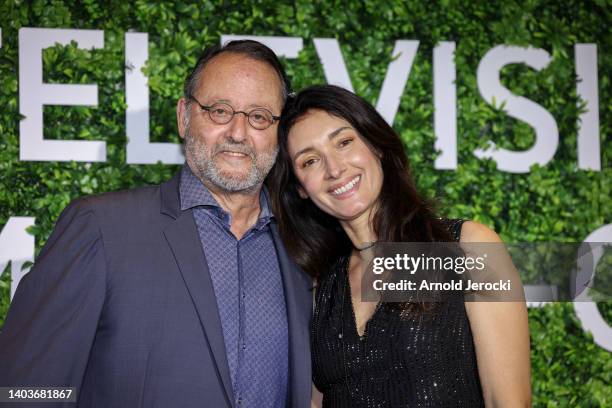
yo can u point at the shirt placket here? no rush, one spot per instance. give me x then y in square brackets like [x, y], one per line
[242, 329]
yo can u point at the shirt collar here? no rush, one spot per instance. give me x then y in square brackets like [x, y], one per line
[194, 193]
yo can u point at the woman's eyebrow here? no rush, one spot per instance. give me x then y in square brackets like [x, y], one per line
[337, 131]
[304, 150]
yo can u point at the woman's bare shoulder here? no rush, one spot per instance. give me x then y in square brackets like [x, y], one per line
[473, 231]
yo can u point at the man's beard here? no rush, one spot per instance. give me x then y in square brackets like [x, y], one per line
[201, 160]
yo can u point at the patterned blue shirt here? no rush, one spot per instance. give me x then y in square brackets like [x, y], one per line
[249, 290]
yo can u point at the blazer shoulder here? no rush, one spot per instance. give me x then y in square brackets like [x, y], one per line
[119, 210]
[137, 198]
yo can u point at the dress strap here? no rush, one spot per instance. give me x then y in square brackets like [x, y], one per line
[454, 227]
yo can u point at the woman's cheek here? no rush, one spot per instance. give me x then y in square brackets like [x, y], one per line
[310, 188]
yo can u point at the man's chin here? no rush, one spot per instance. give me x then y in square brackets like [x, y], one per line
[235, 182]
[230, 163]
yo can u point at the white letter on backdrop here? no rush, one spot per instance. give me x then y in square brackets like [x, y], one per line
[332, 61]
[490, 87]
[585, 308]
[393, 85]
[396, 78]
[138, 149]
[16, 246]
[588, 122]
[288, 47]
[33, 94]
[445, 105]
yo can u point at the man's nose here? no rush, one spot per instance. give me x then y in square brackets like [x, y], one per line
[239, 126]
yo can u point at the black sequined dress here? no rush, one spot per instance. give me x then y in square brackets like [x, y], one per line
[416, 361]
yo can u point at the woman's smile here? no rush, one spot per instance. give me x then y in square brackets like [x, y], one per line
[347, 189]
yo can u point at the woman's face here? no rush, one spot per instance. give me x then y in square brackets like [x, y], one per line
[337, 170]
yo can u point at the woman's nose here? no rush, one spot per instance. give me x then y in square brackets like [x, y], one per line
[334, 166]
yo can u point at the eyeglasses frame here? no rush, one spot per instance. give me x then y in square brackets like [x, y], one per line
[208, 108]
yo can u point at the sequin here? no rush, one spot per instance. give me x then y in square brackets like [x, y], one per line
[400, 361]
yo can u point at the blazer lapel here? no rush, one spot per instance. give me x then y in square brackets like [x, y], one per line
[298, 298]
[184, 241]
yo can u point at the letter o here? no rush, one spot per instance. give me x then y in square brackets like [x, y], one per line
[585, 308]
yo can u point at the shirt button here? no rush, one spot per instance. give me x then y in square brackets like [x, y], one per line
[239, 400]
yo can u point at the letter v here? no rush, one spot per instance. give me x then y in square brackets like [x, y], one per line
[398, 70]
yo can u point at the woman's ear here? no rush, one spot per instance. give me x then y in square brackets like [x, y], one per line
[302, 193]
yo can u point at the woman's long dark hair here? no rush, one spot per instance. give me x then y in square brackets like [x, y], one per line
[315, 239]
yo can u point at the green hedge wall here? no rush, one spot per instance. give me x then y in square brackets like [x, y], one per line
[555, 203]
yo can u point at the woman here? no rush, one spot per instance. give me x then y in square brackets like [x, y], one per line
[341, 183]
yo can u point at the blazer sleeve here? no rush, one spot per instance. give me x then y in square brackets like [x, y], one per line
[51, 323]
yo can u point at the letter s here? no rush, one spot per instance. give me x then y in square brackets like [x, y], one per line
[545, 126]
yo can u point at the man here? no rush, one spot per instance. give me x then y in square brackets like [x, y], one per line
[178, 295]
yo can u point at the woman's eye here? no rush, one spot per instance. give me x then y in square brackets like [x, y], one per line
[308, 162]
[345, 142]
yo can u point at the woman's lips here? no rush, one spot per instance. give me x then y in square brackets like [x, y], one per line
[346, 188]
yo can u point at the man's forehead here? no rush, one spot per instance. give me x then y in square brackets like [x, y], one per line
[231, 71]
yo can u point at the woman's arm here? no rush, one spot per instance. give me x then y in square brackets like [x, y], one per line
[317, 398]
[501, 339]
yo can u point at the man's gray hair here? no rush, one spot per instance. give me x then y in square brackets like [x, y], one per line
[248, 48]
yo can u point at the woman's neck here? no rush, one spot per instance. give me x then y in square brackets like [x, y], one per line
[360, 231]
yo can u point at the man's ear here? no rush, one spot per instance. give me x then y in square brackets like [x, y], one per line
[302, 193]
[181, 112]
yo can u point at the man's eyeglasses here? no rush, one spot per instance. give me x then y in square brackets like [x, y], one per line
[222, 113]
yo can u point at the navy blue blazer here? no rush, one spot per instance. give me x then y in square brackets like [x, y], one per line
[120, 305]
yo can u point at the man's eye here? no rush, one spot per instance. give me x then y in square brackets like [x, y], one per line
[220, 112]
[259, 117]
